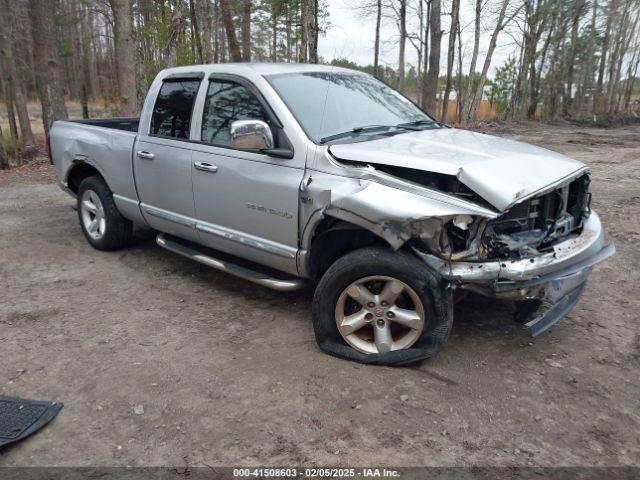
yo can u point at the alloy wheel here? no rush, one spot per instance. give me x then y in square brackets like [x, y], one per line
[92, 212]
[379, 314]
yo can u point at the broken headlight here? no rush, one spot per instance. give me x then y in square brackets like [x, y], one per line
[452, 238]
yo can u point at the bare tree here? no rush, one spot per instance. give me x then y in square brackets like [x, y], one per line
[367, 9]
[125, 58]
[8, 61]
[246, 30]
[47, 71]
[196, 29]
[455, 12]
[4, 158]
[402, 28]
[204, 6]
[464, 107]
[500, 24]
[232, 39]
[430, 88]
[535, 22]
[376, 51]
[9, 96]
[578, 12]
[175, 31]
[314, 32]
[605, 44]
[309, 30]
[304, 31]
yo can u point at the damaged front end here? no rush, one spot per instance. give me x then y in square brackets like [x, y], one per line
[534, 226]
[541, 247]
[397, 210]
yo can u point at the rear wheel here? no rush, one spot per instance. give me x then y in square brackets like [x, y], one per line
[379, 306]
[101, 222]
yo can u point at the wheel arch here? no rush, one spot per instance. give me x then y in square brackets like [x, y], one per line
[333, 238]
[78, 171]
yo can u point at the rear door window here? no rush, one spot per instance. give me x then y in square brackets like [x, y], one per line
[174, 106]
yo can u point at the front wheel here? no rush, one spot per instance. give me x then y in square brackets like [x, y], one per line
[379, 306]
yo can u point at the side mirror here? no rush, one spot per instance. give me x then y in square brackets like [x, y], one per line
[251, 135]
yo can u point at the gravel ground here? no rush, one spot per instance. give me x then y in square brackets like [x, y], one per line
[160, 361]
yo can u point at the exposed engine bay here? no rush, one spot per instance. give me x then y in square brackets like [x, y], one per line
[535, 225]
[527, 229]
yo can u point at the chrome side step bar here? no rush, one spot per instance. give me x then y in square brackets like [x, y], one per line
[224, 266]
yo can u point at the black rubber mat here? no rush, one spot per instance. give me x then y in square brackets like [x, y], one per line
[20, 417]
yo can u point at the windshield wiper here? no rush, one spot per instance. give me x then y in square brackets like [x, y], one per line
[418, 124]
[357, 130]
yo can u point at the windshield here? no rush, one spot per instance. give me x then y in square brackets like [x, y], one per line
[331, 105]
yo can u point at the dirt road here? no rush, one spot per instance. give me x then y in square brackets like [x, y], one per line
[228, 373]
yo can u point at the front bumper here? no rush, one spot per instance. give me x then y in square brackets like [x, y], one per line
[557, 277]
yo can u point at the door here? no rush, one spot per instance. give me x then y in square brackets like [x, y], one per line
[246, 202]
[162, 161]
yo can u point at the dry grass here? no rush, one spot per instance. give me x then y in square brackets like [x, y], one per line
[97, 109]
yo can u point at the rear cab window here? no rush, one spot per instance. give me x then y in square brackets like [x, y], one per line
[174, 107]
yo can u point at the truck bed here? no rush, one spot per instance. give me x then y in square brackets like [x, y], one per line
[105, 144]
[126, 124]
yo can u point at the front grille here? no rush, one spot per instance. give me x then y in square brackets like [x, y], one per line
[536, 224]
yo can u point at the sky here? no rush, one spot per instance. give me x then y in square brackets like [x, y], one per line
[353, 38]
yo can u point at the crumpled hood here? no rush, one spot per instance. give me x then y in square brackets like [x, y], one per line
[499, 170]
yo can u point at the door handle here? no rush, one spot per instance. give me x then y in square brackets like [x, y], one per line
[205, 167]
[145, 155]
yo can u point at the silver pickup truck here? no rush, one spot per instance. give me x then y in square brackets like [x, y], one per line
[287, 175]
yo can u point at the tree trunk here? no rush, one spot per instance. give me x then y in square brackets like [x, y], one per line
[315, 32]
[630, 29]
[474, 60]
[304, 33]
[425, 53]
[196, 30]
[590, 68]
[4, 158]
[570, 62]
[616, 55]
[455, 11]
[289, 32]
[20, 99]
[535, 23]
[376, 50]
[216, 34]
[232, 39]
[604, 53]
[459, 80]
[246, 31]
[429, 98]
[274, 35]
[536, 75]
[632, 77]
[309, 17]
[207, 38]
[47, 68]
[125, 58]
[175, 31]
[9, 100]
[402, 26]
[477, 98]
[87, 48]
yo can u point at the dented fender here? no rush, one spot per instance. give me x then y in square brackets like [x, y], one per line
[107, 150]
[392, 209]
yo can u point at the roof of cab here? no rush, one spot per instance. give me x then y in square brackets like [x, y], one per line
[255, 68]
